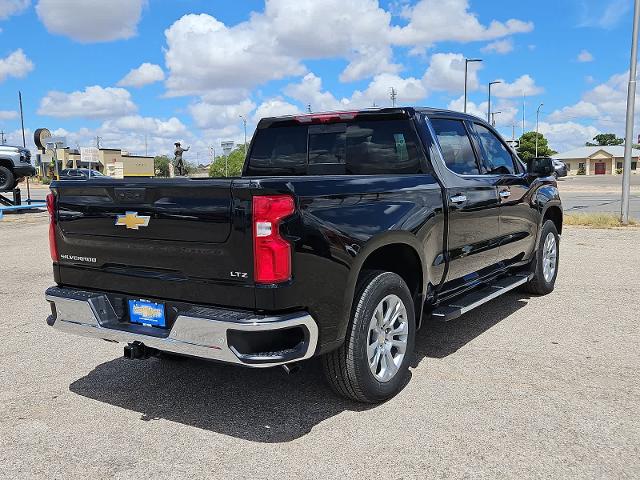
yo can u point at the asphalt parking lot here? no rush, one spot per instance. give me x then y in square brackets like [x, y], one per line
[520, 388]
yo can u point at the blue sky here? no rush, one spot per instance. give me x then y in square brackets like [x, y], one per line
[129, 69]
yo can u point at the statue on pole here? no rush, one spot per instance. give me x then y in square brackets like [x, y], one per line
[179, 162]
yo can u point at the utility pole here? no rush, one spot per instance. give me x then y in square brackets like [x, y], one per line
[24, 142]
[146, 146]
[393, 93]
[513, 133]
[467, 61]
[1, 137]
[524, 109]
[489, 102]
[493, 118]
[538, 125]
[631, 99]
[244, 121]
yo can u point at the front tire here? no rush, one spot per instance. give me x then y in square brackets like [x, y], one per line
[373, 363]
[547, 261]
[7, 180]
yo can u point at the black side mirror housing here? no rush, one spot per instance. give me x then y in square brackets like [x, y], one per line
[540, 167]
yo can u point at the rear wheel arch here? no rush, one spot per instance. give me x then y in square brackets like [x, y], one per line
[398, 257]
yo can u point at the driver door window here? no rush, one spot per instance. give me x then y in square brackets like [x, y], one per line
[497, 158]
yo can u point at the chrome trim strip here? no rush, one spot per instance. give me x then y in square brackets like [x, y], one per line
[190, 335]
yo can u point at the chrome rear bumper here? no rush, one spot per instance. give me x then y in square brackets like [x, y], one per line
[198, 331]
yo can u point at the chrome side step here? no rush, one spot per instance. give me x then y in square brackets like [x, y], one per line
[475, 298]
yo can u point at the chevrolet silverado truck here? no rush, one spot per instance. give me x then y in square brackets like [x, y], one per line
[15, 164]
[345, 234]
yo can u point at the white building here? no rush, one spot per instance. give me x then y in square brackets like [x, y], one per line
[598, 160]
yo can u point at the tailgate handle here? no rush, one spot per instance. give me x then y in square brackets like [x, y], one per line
[129, 194]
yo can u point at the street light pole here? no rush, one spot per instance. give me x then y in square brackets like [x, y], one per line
[631, 100]
[493, 118]
[538, 125]
[467, 61]
[244, 121]
[489, 102]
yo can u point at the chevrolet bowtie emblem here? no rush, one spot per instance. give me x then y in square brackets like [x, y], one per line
[132, 220]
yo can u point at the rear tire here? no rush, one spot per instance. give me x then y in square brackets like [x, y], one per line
[373, 363]
[7, 180]
[547, 261]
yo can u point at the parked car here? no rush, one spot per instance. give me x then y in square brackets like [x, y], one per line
[79, 174]
[345, 233]
[560, 168]
[15, 164]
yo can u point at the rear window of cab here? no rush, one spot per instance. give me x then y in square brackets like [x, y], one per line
[356, 148]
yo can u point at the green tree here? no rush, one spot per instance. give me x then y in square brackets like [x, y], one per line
[233, 162]
[527, 148]
[605, 139]
[161, 165]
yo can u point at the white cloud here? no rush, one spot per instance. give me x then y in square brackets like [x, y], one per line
[12, 7]
[585, 56]
[90, 21]
[446, 72]
[92, 102]
[212, 116]
[603, 14]
[499, 46]
[605, 104]
[143, 75]
[275, 107]
[409, 91]
[309, 92]
[524, 84]
[506, 118]
[203, 53]
[567, 135]
[8, 114]
[16, 65]
[581, 109]
[432, 21]
[135, 134]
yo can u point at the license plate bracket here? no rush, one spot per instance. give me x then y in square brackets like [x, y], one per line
[145, 312]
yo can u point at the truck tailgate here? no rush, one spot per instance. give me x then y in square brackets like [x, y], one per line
[175, 238]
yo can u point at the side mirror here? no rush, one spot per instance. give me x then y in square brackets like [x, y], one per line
[540, 167]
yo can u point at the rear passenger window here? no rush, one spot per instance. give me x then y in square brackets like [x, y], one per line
[359, 148]
[279, 151]
[498, 159]
[456, 146]
[384, 146]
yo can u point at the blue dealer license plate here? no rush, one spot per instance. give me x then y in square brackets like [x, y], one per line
[147, 313]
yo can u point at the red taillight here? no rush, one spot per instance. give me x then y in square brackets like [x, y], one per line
[272, 253]
[53, 245]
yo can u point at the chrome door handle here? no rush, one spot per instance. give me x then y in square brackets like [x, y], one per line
[458, 199]
[505, 194]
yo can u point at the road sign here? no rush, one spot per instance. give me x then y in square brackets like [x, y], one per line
[227, 147]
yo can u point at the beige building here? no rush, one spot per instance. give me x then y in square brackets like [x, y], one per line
[109, 160]
[605, 160]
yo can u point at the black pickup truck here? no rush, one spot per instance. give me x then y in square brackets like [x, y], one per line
[345, 233]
